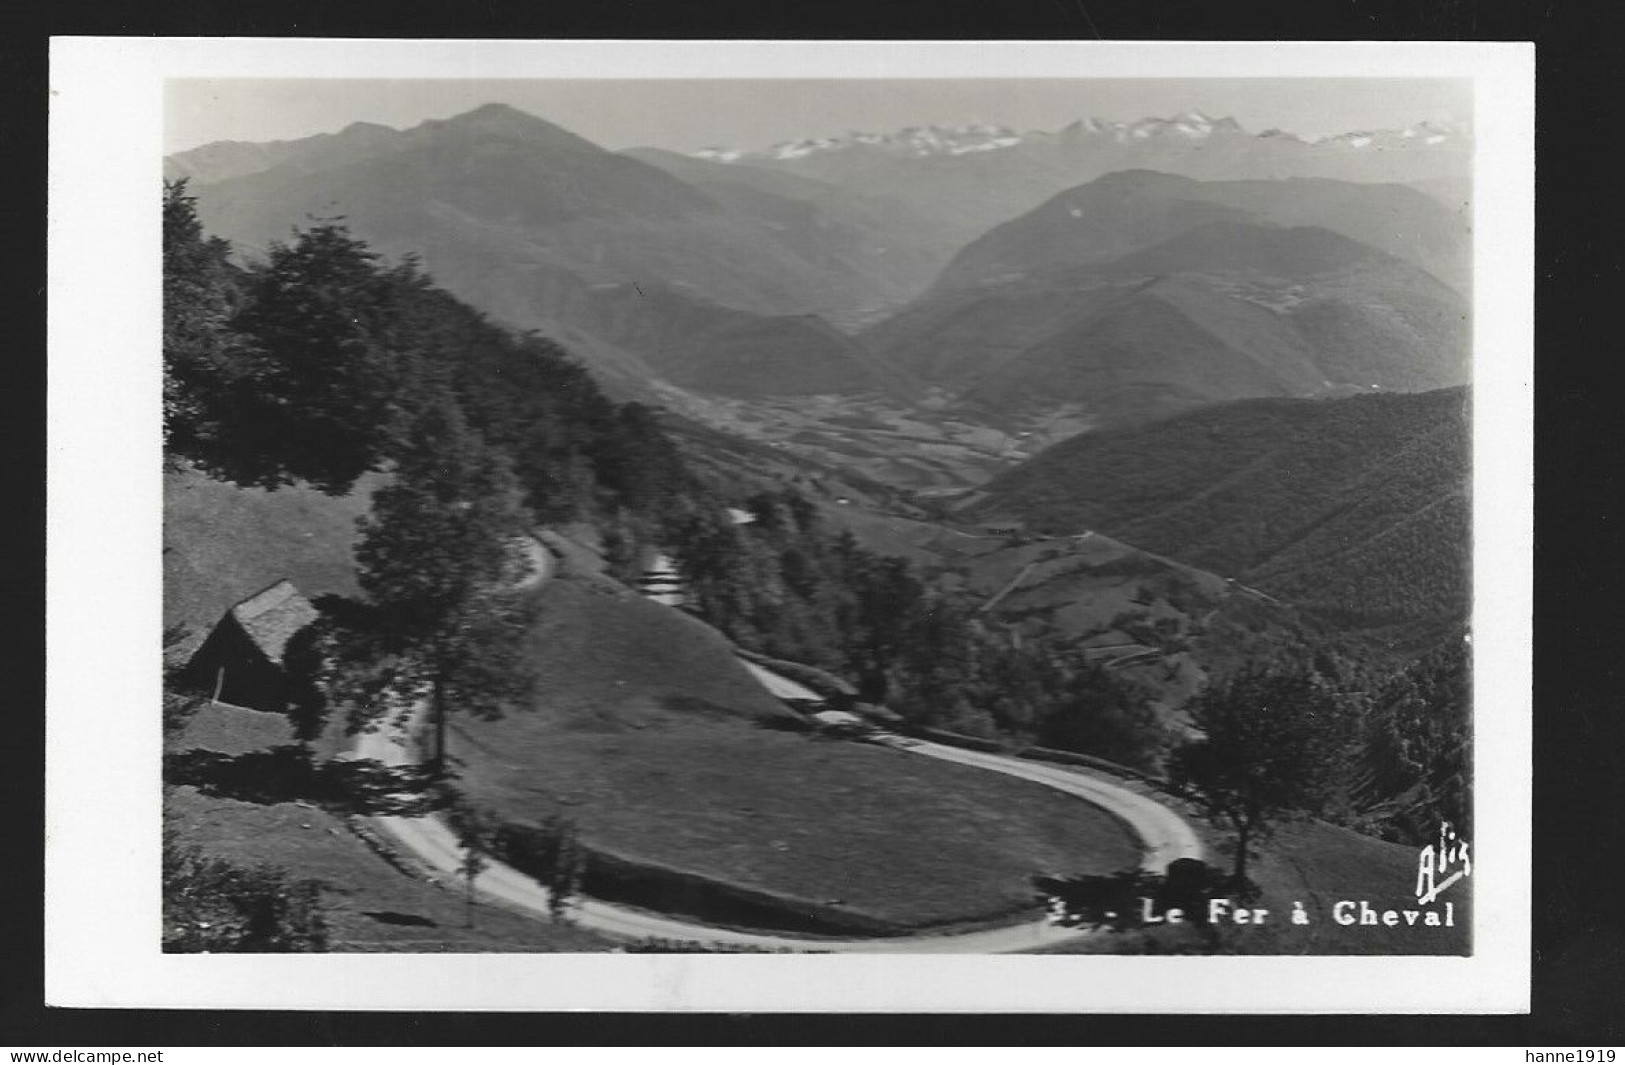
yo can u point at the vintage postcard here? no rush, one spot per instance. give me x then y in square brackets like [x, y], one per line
[790, 526]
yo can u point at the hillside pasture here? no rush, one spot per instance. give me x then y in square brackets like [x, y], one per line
[650, 735]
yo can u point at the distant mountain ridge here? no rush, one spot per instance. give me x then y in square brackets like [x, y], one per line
[961, 140]
[498, 176]
[1129, 210]
[894, 250]
[984, 175]
[223, 160]
[545, 230]
[1141, 294]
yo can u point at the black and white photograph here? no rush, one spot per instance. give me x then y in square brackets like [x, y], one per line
[1028, 516]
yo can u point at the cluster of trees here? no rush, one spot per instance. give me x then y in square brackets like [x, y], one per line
[789, 586]
[1416, 765]
[314, 364]
[1388, 754]
[320, 364]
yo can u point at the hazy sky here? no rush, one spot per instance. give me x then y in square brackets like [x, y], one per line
[690, 114]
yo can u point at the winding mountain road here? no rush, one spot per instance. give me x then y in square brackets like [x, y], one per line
[1163, 837]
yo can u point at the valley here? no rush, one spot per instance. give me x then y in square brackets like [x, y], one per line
[929, 448]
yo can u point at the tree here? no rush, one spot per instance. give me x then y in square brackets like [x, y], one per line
[1096, 714]
[441, 562]
[203, 354]
[567, 869]
[1274, 743]
[315, 399]
[476, 832]
[550, 853]
[304, 667]
[888, 600]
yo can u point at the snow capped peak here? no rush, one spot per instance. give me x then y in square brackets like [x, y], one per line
[1422, 133]
[1429, 132]
[913, 140]
[1190, 126]
[720, 155]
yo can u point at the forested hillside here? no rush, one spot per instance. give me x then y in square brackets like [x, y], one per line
[305, 367]
[1355, 508]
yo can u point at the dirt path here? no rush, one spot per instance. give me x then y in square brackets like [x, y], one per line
[781, 687]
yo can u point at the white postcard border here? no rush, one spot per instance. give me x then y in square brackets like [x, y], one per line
[104, 543]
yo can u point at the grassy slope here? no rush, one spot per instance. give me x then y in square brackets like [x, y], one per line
[369, 904]
[644, 734]
[1356, 507]
[223, 543]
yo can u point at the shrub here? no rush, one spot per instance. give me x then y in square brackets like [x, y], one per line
[215, 907]
[550, 853]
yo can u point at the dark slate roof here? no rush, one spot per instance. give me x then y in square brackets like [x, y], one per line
[272, 616]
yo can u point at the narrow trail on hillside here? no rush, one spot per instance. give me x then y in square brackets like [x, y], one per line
[1162, 834]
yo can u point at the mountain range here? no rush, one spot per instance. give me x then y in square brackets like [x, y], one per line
[983, 175]
[541, 228]
[1192, 126]
[1005, 276]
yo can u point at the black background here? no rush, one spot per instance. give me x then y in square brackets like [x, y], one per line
[1579, 826]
